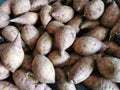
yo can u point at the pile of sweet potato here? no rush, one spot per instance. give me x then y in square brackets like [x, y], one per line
[60, 42]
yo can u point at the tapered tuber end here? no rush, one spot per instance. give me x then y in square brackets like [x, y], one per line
[13, 20]
[17, 41]
[104, 47]
[62, 52]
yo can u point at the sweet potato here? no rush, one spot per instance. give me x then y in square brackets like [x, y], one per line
[20, 6]
[98, 32]
[44, 44]
[62, 82]
[45, 15]
[27, 62]
[27, 81]
[81, 70]
[89, 24]
[94, 9]
[109, 67]
[53, 27]
[43, 69]
[37, 4]
[5, 85]
[73, 58]
[63, 13]
[96, 82]
[76, 22]
[6, 6]
[26, 18]
[12, 56]
[65, 37]
[87, 45]
[79, 5]
[30, 35]
[113, 49]
[57, 59]
[111, 15]
[10, 33]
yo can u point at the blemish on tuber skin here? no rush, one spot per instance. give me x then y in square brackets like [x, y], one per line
[12, 56]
